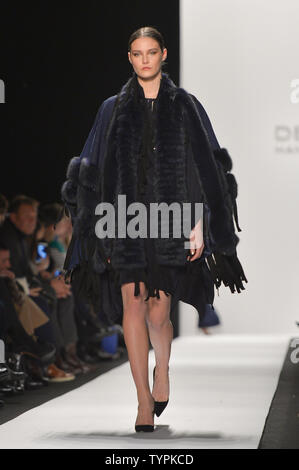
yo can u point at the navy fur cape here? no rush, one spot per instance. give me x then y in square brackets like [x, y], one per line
[191, 166]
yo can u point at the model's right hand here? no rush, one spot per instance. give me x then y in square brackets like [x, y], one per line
[196, 241]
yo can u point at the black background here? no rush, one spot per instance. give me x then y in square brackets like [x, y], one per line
[59, 61]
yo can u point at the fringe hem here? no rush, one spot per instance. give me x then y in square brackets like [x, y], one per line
[153, 291]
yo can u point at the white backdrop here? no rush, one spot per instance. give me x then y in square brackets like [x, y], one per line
[240, 58]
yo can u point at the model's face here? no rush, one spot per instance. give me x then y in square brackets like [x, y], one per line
[146, 57]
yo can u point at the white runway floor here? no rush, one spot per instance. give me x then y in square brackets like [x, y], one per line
[221, 387]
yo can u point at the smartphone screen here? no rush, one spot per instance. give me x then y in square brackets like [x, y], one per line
[41, 251]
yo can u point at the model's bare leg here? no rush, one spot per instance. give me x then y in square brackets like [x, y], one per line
[161, 335]
[137, 343]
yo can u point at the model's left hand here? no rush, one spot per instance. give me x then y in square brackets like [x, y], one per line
[196, 242]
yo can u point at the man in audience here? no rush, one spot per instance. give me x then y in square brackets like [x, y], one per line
[14, 232]
[9, 322]
[18, 308]
[58, 235]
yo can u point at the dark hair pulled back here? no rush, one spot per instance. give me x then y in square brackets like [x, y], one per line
[147, 31]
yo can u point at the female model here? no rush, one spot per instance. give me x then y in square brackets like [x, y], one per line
[152, 142]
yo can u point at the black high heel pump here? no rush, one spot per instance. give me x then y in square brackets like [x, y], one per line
[145, 427]
[159, 405]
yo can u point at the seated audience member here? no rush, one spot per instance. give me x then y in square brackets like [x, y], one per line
[66, 327]
[30, 315]
[58, 233]
[16, 232]
[17, 333]
[9, 289]
[33, 320]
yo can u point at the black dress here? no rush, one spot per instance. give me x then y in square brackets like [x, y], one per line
[174, 280]
[154, 276]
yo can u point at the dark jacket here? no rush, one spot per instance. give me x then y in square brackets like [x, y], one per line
[16, 242]
[104, 169]
[82, 190]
